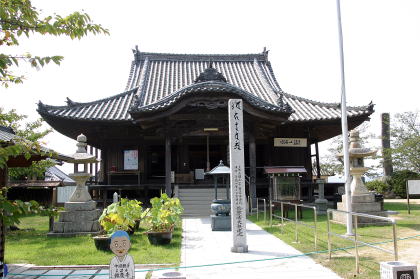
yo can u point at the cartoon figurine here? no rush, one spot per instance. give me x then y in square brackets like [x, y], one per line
[122, 265]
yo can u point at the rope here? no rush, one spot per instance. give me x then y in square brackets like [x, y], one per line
[225, 263]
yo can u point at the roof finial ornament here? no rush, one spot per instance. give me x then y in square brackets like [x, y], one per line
[280, 101]
[210, 74]
[136, 53]
[69, 102]
[265, 53]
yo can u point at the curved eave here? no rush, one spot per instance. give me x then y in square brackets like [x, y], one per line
[112, 109]
[209, 89]
[309, 111]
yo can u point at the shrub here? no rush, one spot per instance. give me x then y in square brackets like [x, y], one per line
[164, 214]
[399, 179]
[121, 215]
[378, 186]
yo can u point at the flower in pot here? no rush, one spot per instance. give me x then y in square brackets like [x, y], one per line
[123, 215]
[161, 218]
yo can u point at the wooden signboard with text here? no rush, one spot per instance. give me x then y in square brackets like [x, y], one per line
[290, 142]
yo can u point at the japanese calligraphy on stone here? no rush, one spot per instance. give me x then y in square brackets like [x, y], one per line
[237, 178]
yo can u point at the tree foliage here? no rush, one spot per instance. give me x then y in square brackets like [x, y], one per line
[378, 186]
[19, 18]
[399, 179]
[330, 163]
[405, 141]
[28, 142]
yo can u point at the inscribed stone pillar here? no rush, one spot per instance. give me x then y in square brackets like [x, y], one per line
[386, 145]
[321, 203]
[237, 177]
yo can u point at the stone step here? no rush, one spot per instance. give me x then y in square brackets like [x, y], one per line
[196, 202]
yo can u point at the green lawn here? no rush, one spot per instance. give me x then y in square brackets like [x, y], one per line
[342, 261]
[31, 245]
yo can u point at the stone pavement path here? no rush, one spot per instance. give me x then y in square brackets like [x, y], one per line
[100, 272]
[202, 246]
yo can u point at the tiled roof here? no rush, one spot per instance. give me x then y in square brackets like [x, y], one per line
[308, 110]
[113, 108]
[35, 184]
[8, 137]
[53, 174]
[158, 80]
[6, 134]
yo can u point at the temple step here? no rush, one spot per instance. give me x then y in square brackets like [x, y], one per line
[196, 202]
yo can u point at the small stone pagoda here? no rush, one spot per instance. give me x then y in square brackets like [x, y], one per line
[362, 200]
[80, 215]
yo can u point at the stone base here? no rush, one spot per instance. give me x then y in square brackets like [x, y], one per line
[79, 218]
[53, 234]
[239, 249]
[167, 274]
[221, 223]
[80, 206]
[361, 204]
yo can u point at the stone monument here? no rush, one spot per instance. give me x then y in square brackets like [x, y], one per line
[80, 215]
[362, 201]
[237, 175]
[321, 203]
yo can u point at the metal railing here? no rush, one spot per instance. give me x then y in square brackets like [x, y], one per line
[354, 238]
[257, 208]
[265, 209]
[296, 221]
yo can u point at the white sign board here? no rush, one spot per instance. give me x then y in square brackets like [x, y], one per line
[290, 142]
[199, 174]
[413, 187]
[237, 175]
[131, 159]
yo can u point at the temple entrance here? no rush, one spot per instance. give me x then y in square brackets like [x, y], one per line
[198, 155]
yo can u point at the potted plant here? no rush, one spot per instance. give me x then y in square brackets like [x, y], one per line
[161, 218]
[122, 215]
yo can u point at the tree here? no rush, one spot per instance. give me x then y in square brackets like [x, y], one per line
[405, 141]
[19, 17]
[31, 132]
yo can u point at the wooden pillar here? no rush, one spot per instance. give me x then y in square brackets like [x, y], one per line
[318, 168]
[3, 183]
[252, 169]
[104, 196]
[96, 165]
[168, 165]
[269, 151]
[184, 159]
[104, 166]
[91, 164]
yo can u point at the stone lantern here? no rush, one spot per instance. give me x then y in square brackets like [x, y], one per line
[220, 220]
[81, 157]
[80, 215]
[357, 153]
[362, 200]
